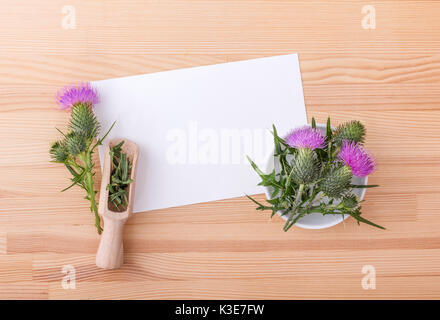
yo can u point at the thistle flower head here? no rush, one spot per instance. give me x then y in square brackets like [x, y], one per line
[75, 144]
[72, 95]
[305, 167]
[83, 122]
[350, 201]
[306, 137]
[58, 152]
[357, 158]
[352, 131]
[337, 182]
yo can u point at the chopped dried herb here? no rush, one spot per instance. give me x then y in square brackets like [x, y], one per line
[119, 179]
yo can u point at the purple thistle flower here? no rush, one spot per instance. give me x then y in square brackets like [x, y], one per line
[71, 95]
[306, 137]
[357, 158]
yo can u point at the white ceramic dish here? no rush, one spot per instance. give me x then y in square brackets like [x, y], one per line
[316, 220]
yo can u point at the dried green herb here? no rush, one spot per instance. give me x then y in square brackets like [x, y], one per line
[119, 178]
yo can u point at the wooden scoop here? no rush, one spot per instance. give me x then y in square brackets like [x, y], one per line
[111, 251]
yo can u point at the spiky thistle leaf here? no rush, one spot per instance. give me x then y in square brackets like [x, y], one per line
[352, 131]
[83, 122]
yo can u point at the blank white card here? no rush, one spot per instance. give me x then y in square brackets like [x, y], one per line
[194, 127]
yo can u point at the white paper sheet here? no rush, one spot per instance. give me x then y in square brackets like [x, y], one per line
[194, 126]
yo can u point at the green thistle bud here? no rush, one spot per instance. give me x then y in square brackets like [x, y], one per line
[305, 167]
[336, 182]
[83, 122]
[75, 143]
[350, 201]
[352, 131]
[58, 152]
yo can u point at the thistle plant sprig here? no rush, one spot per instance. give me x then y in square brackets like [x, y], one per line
[119, 178]
[315, 172]
[75, 150]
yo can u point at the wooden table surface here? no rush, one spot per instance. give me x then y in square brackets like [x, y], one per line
[387, 77]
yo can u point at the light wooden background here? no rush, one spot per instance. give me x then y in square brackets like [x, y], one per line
[388, 78]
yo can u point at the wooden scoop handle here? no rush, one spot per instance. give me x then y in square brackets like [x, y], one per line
[111, 249]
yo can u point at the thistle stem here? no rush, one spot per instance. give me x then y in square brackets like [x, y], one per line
[299, 195]
[291, 221]
[91, 194]
[329, 155]
[329, 149]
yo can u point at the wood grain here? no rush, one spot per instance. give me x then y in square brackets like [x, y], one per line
[388, 77]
